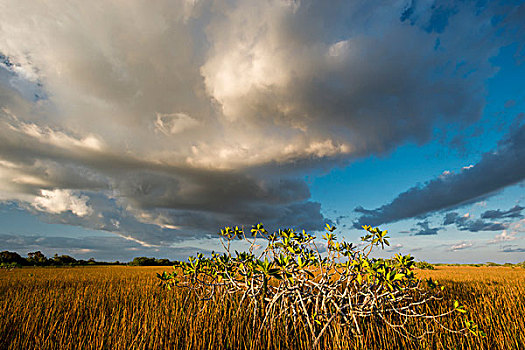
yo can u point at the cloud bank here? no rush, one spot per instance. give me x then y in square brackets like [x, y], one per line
[466, 223]
[496, 170]
[103, 247]
[162, 120]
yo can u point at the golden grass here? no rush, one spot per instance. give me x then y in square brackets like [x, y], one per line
[118, 307]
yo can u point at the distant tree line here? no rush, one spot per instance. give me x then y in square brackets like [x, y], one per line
[144, 261]
[13, 259]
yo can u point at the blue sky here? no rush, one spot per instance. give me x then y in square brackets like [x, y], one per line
[132, 129]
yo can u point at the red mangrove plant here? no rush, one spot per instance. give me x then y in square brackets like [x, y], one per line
[289, 275]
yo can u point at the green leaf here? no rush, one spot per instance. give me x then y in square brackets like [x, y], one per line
[399, 276]
[330, 228]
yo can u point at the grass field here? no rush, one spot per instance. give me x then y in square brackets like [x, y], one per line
[119, 307]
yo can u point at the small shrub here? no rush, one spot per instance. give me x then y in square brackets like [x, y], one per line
[10, 265]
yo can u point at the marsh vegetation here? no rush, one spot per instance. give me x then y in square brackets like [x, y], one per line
[123, 307]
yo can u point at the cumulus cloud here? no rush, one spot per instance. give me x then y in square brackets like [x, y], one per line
[511, 233]
[59, 201]
[503, 237]
[174, 117]
[496, 170]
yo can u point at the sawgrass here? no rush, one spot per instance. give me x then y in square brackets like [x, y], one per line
[120, 307]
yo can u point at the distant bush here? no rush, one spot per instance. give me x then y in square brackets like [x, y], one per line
[37, 259]
[10, 265]
[145, 261]
[63, 260]
[492, 264]
[7, 258]
[423, 265]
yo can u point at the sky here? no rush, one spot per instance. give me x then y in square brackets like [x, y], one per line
[138, 128]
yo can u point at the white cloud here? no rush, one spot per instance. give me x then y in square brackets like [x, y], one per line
[461, 246]
[504, 236]
[47, 135]
[511, 233]
[445, 173]
[58, 201]
[142, 243]
[395, 248]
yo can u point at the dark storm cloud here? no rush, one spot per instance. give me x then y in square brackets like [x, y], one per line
[425, 229]
[514, 212]
[197, 200]
[496, 170]
[512, 249]
[480, 225]
[451, 218]
[466, 223]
